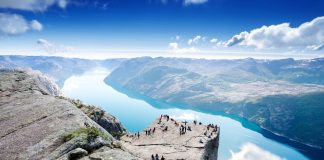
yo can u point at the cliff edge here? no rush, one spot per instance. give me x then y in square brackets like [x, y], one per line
[38, 124]
[174, 139]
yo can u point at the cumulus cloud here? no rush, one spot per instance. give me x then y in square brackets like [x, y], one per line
[13, 24]
[250, 151]
[189, 2]
[214, 40]
[32, 5]
[52, 48]
[175, 48]
[308, 35]
[194, 40]
[35, 25]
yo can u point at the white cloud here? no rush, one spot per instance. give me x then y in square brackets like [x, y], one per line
[194, 40]
[34, 24]
[186, 116]
[250, 151]
[283, 36]
[189, 2]
[315, 47]
[214, 40]
[175, 48]
[13, 24]
[32, 5]
[177, 38]
[51, 48]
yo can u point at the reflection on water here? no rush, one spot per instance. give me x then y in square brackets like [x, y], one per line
[136, 114]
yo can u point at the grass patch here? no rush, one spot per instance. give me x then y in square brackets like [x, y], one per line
[91, 134]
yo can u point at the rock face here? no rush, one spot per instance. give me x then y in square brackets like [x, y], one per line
[104, 119]
[196, 143]
[36, 125]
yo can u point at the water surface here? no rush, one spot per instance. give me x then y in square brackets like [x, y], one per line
[236, 139]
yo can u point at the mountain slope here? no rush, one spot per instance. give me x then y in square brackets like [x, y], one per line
[279, 95]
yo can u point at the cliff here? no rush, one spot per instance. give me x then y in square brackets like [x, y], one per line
[36, 124]
[174, 140]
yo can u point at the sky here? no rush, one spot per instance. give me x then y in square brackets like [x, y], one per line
[99, 29]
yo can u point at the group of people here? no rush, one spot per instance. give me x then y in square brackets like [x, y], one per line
[133, 135]
[212, 126]
[149, 131]
[195, 122]
[156, 157]
[183, 129]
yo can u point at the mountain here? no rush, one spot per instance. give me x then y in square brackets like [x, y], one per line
[57, 68]
[283, 96]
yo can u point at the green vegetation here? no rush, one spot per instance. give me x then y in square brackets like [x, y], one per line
[91, 133]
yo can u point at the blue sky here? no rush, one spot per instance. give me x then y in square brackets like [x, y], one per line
[188, 28]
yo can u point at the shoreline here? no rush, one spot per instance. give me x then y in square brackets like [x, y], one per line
[305, 149]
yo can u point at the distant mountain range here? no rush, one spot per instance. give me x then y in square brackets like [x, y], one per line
[284, 96]
[57, 68]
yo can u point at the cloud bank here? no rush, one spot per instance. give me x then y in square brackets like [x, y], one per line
[174, 47]
[13, 24]
[250, 151]
[309, 35]
[32, 5]
[52, 48]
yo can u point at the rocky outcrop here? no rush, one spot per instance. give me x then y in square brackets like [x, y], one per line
[163, 137]
[37, 125]
[104, 119]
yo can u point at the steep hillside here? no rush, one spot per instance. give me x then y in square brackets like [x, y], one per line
[279, 95]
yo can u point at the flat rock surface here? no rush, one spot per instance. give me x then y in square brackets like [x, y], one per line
[194, 144]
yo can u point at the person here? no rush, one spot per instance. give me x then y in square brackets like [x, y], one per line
[152, 157]
[162, 158]
[157, 157]
[138, 135]
[153, 129]
[145, 132]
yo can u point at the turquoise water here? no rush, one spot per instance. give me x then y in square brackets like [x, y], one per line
[238, 138]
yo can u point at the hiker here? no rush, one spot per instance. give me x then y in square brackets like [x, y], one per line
[157, 157]
[152, 157]
[195, 122]
[153, 129]
[138, 135]
[162, 158]
[145, 132]
[189, 128]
